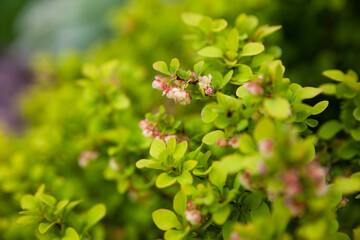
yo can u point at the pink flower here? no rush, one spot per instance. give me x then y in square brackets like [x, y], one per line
[144, 124]
[292, 183]
[191, 205]
[205, 81]
[295, 207]
[87, 156]
[234, 141]
[266, 146]
[254, 88]
[245, 180]
[147, 133]
[193, 216]
[181, 96]
[222, 142]
[113, 164]
[234, 236]
[208, 90]
[167, 138]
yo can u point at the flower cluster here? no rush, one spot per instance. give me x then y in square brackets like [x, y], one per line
[294, 185]
[179, 95]
[149, 129]
[204, 83]
[234, 142]
[192, 215]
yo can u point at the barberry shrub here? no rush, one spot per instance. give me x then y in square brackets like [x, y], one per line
[256, 170]
[243, 156]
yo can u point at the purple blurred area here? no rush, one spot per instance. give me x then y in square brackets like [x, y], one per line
[15, 76]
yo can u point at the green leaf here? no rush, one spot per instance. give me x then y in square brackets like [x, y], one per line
[45, 226]
[212, 137]
[185, 178]
[208, 114]
[173, 234]
[356, 113]
[161, 66]
[198, 67]
[355, 133]
[221, 215]
[266, 30]
[144, 163]
[217, 175]
[226, 79]
[336, 75]
[219, 25]
[329, 129]
[180, 150]
[191, 19]
[261, 213]
[247, 144]
[29, 219]
[347, 185]
[319, 107]
[61, 205]
[277, 108]
[95, 214]
[28, 202]
[252, 48]
[47, 199]
[189, 165]
[232, 42]
[157, 147]
[265, 128]
[307, 93]
[253, 200]
[180, 203]
[164, 180]
[174, 65]
[71, 234]
[171, 145]
[328, 88]
[243, 75]
[165, 219]
[211, 51]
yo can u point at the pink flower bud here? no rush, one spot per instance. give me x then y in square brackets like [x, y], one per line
[254, 88]
[181, 96]
[204, 81]
[113, 164]
[295, 207]
[260, 78]
[158, 84]
[343, 202]
[292, 183]
[234, 236]
[193, 74]
[315, 172]
[193, 216]
[87, 156]
[222, 142]
[143, 124]
[147, 133]
[191, 205]
[208, 91]
[234, 141]
[245, 180]
[266, 146]
[158, 77]
[262, 168]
